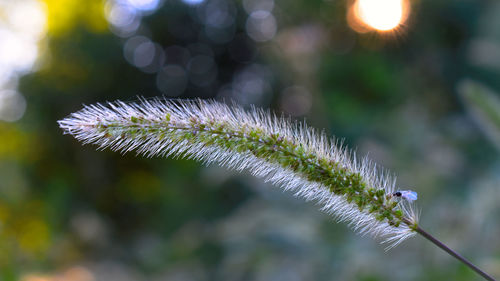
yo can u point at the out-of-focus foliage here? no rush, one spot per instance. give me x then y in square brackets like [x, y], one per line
[484, 105]
[73, 213]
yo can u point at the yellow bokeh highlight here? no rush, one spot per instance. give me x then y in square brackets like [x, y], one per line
[4, 214]
[34, 236]
[16, 144]
[23, 231]
[64, 15]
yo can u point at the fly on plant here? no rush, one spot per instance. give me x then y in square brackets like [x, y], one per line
[408, 195]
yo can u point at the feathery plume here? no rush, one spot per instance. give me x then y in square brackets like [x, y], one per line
[285, 153]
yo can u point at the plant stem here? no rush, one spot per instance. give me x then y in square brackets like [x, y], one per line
[453, 253]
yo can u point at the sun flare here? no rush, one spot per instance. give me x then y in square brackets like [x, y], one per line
[381, 14]
[378, 15]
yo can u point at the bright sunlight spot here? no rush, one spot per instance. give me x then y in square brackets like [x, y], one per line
[379, 15]
[23, 25]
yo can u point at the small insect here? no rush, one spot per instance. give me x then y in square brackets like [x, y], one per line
[409, 195]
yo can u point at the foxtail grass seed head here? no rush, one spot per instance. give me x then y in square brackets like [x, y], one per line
[285, 153]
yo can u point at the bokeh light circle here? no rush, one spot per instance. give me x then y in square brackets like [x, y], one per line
[261, 26]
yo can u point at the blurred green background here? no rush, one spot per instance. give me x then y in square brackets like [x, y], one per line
[421, 100]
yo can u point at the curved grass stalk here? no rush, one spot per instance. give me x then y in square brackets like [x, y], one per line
[287, 154]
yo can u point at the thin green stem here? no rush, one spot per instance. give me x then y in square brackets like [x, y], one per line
[453, 253]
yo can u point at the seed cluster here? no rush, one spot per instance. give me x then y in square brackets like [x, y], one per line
[287, 154]
[274, 148]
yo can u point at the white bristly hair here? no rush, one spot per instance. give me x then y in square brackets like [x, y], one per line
[159, 128]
